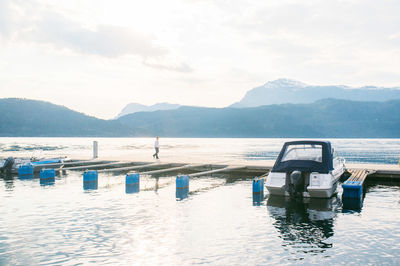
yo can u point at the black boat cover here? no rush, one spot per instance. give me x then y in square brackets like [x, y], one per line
[324, 166]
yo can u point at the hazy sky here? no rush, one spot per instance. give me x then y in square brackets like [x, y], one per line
[96, 56]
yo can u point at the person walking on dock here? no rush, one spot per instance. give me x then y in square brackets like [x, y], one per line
[156, 147]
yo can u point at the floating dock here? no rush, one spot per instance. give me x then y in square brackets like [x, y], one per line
[353, 186]
[359, 172]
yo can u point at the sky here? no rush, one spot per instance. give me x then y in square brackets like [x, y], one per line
[96, 56]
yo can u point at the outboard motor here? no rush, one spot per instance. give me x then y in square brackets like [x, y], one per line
[7, 166]
[296, 185]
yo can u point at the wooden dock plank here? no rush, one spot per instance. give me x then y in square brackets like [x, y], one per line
[172, 169]
[228, 168]
[353, 187]
[93, 166]
[128, 168]
[360, 174]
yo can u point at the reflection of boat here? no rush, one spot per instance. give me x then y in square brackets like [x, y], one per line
[304, 221]
[306, 169]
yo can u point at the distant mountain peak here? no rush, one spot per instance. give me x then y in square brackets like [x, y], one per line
[284, 83]
[292, 91]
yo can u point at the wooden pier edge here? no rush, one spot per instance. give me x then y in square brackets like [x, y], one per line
[374, 172]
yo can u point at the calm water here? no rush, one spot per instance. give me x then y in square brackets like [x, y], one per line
[218, 223]
[386, 151]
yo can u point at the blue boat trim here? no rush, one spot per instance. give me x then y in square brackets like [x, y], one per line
[47, 162]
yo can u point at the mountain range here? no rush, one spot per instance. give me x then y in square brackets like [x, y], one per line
[327, 118]
[291, 91]
[322, 119]
[31, 118]
[288, 91]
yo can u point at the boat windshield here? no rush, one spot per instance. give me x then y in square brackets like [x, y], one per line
[304, 152]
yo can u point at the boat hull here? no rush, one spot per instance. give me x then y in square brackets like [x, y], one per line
[320, 185]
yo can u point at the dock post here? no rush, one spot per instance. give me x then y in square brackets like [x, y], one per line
[25, 171]
[90, 180]
[182, 187]
[47, 176]
[258, 191]
[95, 149]
[132, 183]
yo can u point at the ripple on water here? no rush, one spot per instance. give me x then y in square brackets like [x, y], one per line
[218, 224]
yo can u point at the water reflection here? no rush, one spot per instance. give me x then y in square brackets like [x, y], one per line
[258, 198]
[156, 185]
[26, 177]
[8, 181]
[304, 224]
[90, 185]
[352, 205]
[47, 181]
[182, 193]
[132, 188]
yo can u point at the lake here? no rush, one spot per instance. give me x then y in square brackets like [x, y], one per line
[219, 222]
[382, 151]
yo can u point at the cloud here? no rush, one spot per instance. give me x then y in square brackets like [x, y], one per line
[103, 40]
[322, 23]
[39, 24]
[178, 67]
[4, 18]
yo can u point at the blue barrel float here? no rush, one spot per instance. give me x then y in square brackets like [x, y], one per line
[47, 176]
[352, 197]
[182, 187]
[352, 189]
[25, 171]
[258, 191]
[90, 180]
[132, 183]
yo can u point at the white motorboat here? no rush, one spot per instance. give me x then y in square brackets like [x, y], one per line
[306, 168]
